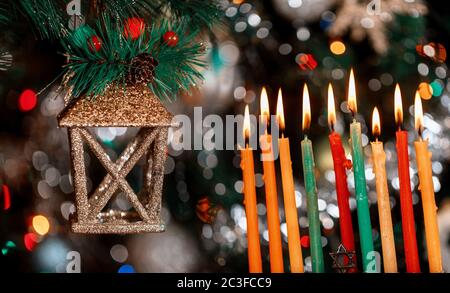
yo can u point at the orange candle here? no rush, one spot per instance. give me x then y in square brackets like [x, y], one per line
[290, 207]
[423, 157]
[270, 185]
[384, 206]
[248, 172]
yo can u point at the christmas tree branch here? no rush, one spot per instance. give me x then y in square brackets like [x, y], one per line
[50, 19]
[3, 14]
[90, 71]
[5, 59]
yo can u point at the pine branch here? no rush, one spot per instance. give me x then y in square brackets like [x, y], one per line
[3, 14]
[48, 17]
[5, 59]
[200, 13]
[91, 72]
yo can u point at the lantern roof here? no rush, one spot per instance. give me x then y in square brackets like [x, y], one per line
[118, 106]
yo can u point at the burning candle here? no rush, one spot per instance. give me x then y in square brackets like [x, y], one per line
[311, 189]
[341, 164]
[270, 184]
[426, 188]
[290, 207]
[384, 206]
[408, 225]
[365, 227]
[248, 172]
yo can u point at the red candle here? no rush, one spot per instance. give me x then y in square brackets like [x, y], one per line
[406, 205]
[341, 163]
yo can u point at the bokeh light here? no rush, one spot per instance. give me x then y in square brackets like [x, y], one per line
[304, 241]
[437, 87]
[425, 91]
[27, 100]
[6, 197]
[126, 269]
[337, 47]
[41, 224]
[30, 241]
[306, 61]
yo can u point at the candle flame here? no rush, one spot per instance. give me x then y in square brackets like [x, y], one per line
[280, 111]
[351, 98]
[264, 104]
[376, 123]
[398, 106]
[331, 107]
[418, 113]
[306, 121]
[246, 128]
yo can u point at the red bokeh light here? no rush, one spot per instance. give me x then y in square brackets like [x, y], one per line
[30, 240]
[27, 100]
[306, 61]
[304, 241]
[6, 197]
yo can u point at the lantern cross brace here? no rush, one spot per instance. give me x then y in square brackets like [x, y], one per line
[118, 172]
[149, 142]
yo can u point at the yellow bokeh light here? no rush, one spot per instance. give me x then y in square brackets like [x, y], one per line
[337, 48]
[41, 225]
[425, 91]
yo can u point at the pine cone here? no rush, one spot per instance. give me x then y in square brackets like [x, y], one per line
[142, 69]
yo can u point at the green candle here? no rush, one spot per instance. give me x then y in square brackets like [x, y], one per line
[313, 209]
[362, 204]
[311, 191]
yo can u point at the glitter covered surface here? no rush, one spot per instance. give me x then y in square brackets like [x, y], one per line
[133, 106]
[149, 142]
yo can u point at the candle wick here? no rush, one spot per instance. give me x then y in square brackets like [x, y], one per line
[420, 131]
[331, 126]
[353, 115]
[267, 123]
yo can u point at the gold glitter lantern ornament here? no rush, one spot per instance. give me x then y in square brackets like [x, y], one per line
[133, 106]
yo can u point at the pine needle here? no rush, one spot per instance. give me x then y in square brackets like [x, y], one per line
[92, 72]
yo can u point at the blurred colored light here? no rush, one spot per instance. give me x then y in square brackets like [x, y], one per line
[126, 269]
[306, 61]
[337, 48]
[41, 225]
[27, 100]
[30, 241]
[304, 241]
[437, 88]
[9, 245]
[434, 51]
[425, 91]
[6, 197]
